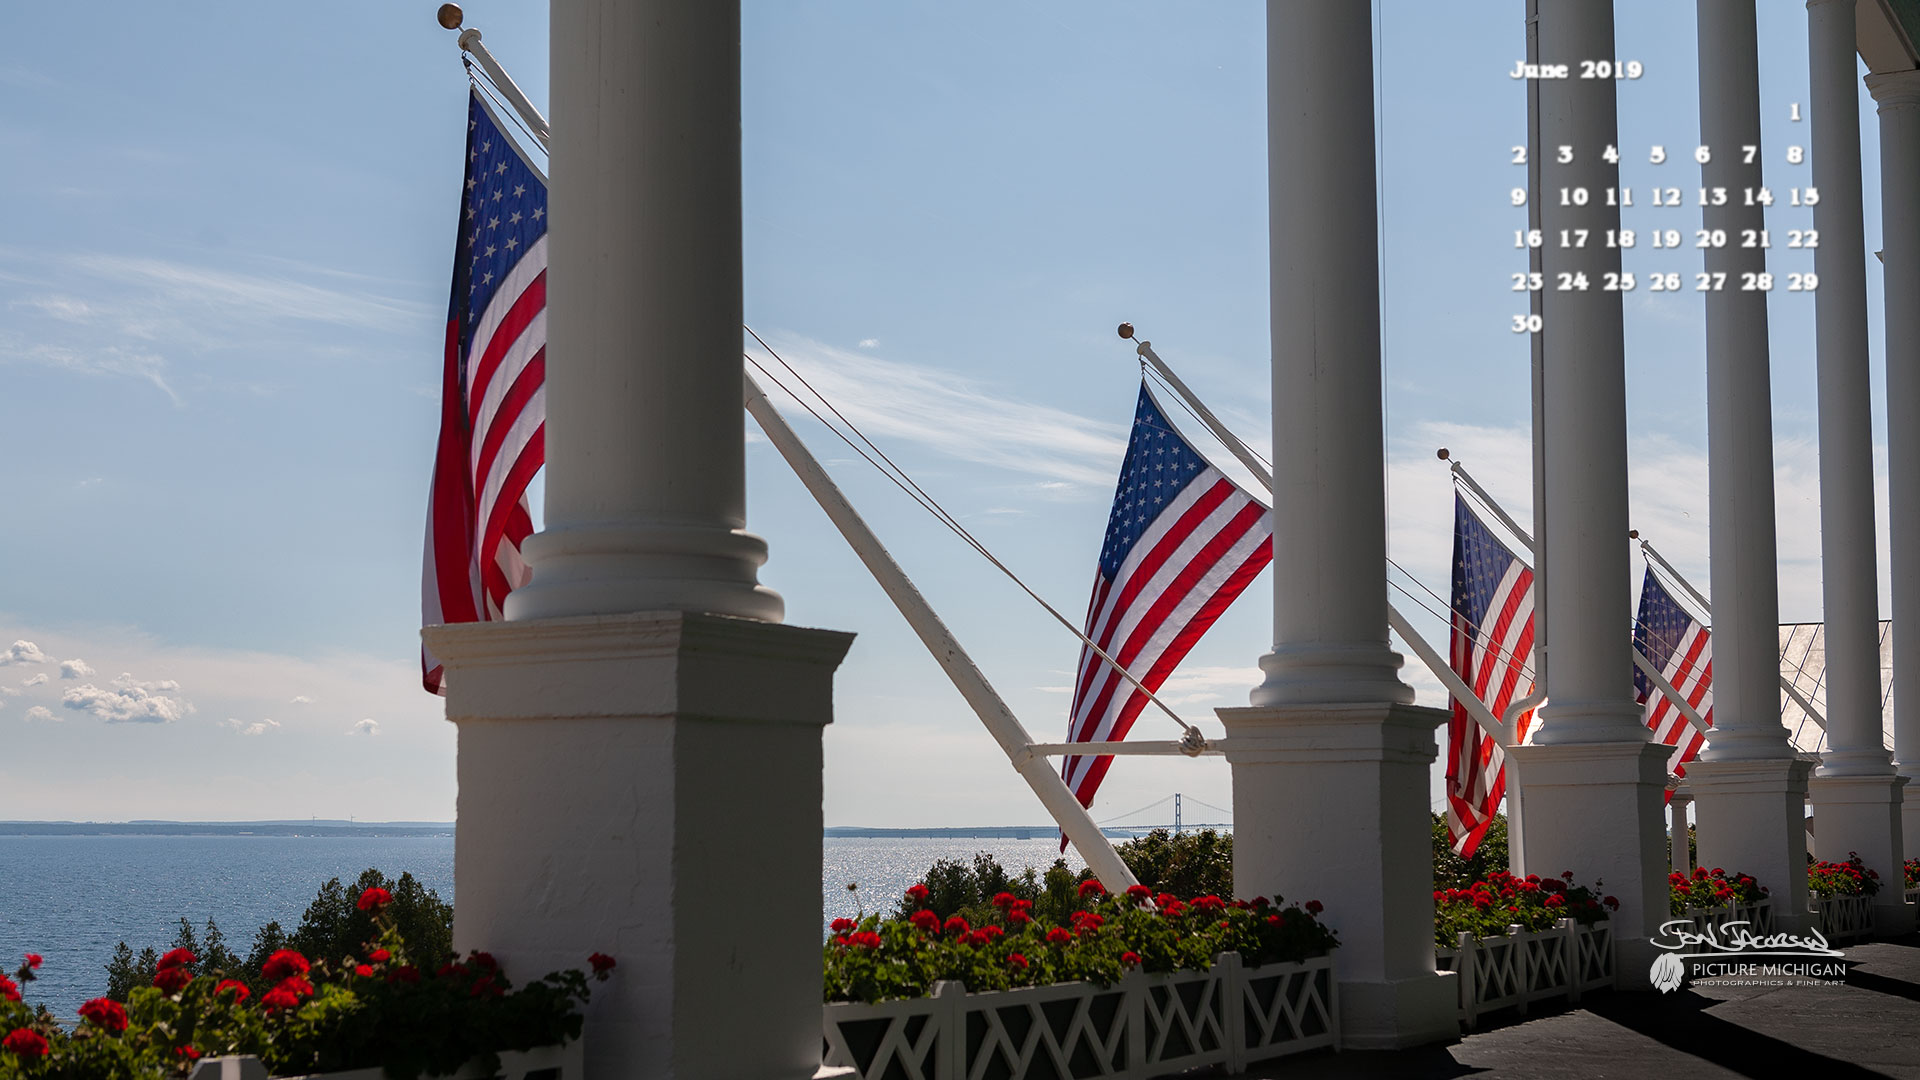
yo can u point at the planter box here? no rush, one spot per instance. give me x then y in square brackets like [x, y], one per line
[1843, 917]
[545, 1063]
[1758, 917]
[1142, 1026]
[1528, 965]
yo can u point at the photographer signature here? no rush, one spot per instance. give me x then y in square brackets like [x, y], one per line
[1739, 938]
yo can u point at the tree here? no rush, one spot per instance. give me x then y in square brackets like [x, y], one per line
[1450, 871]
[1187, 864]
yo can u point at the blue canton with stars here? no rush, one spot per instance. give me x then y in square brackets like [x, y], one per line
[503, 211]
[1158, 464]
[1658, 630]
[1480, 563]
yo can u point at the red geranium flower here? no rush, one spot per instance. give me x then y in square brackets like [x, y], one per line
[925, 920]
[866, 939]
[1556, 900]
[405, 973]
[841, 926]
[363, 970]
[990, 932]
[277, 999]
[1022, 905]
[1092, 887]
[188, 1052]
[24, 1043]
[1165, 898]
[483, 961]
[1004, 900]
[1612, 902]
[1138, 892]
[1016, 960]
[956, 925]
[1018, 916]
[8, 991]
[284, 964]
[1129, 957]
[917, 893]
[1087, 920]
[1275, 920]
[1315, 907]
[106, 1014]
[172, 980]
[601, 963]
[374, 899]
[239, 989]
[1059, 935]
[1261, 902]
[34, 959]
[177, 958]
[379, 956]
[296, 986]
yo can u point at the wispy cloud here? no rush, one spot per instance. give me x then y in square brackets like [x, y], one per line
[258, 727]
[955, 416]
[369, 726]
[35, 680]
[301, 699]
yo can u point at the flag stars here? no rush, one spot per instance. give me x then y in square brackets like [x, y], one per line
[492, 223]
[512, 242]
[519, 190]
[539, 212]
[514, 218]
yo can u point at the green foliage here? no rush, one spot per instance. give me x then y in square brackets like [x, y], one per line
[1184, 864]
[1711, 889]
[1450, 871]
[878, 959]
[1850, 878]
[372, 1005]
[1487, 908]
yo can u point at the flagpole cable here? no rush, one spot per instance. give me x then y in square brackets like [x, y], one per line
[450, 17]
[1192, 737]
[482, 84]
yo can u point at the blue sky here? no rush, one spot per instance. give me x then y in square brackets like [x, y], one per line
[225, 272]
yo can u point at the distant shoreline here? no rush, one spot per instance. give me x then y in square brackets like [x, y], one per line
[336, 828]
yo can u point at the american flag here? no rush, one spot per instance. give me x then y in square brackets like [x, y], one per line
[1182, 542]
[1682, 649]
[493, 406]
[1491, 646]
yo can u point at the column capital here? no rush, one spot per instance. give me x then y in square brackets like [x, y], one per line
[1895, 89]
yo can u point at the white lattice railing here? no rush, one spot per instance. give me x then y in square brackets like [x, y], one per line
[1525, 966]
[1142, 1026]
[546, 1063]
[1758, 916]
[1913, 896]
[1843, 917]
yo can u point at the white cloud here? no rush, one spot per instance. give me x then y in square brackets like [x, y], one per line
[953, 415]
[64, 308]
[41, 712]
[75, 669]
[100, 360]
[368, 726]
[10, 691]
[869, 342]
[132, 705]
[36, 680]
[126, 681]
[258, 727]
[22, 652]
[301, 699]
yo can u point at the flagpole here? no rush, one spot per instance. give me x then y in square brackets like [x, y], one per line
[1428, 655]
[451, 17]
[1006, 729]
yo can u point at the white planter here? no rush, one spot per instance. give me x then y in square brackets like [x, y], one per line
[1843, 917]
[544, 1063]
[1758, 916]
[1142, 1026]
[1526, 966]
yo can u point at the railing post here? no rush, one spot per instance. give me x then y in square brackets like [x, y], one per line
[1522, 973]
[1571, 950]
[1468, 966]
[1233, 987]
[1135, 1004]
[950, 1016]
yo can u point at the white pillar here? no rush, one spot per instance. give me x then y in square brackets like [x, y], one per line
[645, 504]
[1748, 784]
[639, 766]
[1856, 795]
[1898, 94]
[1679, 855]
[1594, 783]
[1330, 766]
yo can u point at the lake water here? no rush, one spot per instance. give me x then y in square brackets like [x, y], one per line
[73, 898]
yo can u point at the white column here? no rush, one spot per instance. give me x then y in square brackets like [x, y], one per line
[1330, 766]
[645, 504]
[1679, 855]
[1594, 784]
[1856, 795]
[1748, 784]
[1898, 94]
[640, 767]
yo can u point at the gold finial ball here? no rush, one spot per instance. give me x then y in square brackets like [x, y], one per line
[1633, 534]
[450, 16]
[1443, 453]
[1126, 330]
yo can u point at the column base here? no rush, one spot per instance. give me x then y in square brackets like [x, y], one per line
[616, 567]
[1863, 814]
[1598, 809]
[1753, 820]
[1330, 803]
[649, 786]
